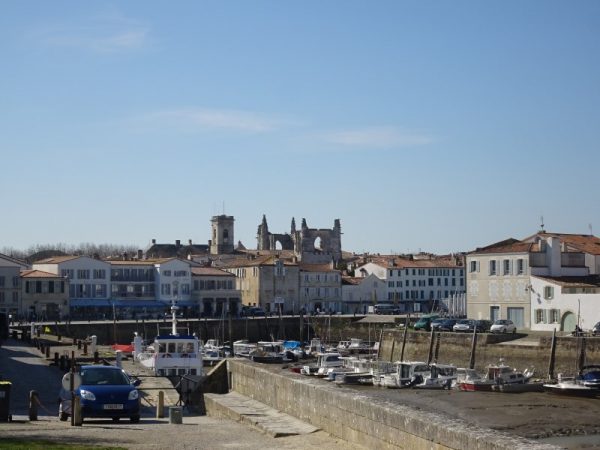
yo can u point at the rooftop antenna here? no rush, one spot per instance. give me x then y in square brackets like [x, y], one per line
[542, 220]
[591, 232]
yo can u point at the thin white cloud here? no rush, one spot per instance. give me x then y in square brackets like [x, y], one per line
[377, 137]
[103, 34]
[202, 119]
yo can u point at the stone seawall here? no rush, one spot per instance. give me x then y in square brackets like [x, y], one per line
[359, 419]
[455, 348]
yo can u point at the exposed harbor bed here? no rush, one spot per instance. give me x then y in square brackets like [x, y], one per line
[532, 415]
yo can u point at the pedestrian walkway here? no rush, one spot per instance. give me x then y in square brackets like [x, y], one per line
[246, 410]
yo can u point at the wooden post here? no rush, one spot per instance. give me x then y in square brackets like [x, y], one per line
[301, 326]
[160, 405]
[33, 405]
[77, 419]
[552, 356]
[229, 325]
[379, 347]
[473, 347]
[393, 345]
[404, 337]
[430, 353]
[437, 347]
[72, 388]
[581, 358]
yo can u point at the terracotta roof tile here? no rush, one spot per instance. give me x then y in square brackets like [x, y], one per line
[587, 281]
[212, 271]
[57, 259]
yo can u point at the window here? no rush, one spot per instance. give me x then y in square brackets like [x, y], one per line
[38, 287]
[473, 266]
[506, 267]
[548, 292]
[493, 269]
[15, 297]
[540, 316]
[15, 281]
[166, 273]
[51, 287]
[165, 289]
[83, 274]
[1, 281]
[99, 274]
[554, 316]
[520, 266]
[180, 273]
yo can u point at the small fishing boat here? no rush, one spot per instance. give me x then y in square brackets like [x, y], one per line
[325, 361]
[497, 374]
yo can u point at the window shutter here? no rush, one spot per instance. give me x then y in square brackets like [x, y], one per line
[510, 267]
[477, 264]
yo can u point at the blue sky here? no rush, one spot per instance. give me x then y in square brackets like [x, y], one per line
[435, 126]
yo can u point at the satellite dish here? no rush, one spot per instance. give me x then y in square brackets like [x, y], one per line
[66, 381]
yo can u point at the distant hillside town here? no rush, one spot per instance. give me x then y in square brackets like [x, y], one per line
[545, 281]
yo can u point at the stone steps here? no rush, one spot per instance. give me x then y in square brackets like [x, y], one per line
[246, 410]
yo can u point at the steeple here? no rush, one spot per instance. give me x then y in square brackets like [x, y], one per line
[293, 231]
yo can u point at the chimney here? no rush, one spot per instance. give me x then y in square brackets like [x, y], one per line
[178, 243]
[140, 254]
[189, 242]
[153, 241]
[96, 256]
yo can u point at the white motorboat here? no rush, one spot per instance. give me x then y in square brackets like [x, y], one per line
[171, 354]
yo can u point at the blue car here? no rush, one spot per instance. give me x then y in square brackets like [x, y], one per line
[105, 392]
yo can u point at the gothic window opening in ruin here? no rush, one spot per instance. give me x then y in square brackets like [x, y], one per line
[318, 244]
[225, 235]
[278, 245]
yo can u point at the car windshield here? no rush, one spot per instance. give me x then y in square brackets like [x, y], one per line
[500, 322]
[103, 377]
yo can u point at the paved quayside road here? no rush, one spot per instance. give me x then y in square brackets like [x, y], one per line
[27, 370]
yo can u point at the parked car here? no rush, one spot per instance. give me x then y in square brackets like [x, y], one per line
[463, 325]
[503, 326]
[386, 308]
[483, 326]
[252, 311]
[424, 323]
[105, 392]
[446, 324]
[436, 323]
[596, 329]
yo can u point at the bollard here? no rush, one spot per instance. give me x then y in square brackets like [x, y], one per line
[62, 362]
[85, 348]
[78, 344]
[96, 357]
[77, 411]
[119, 358]
[34, 401]
[160, 405]
[47, 351]
[56, 359]
[175, 415]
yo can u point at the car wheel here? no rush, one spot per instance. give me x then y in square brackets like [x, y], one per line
[62, 416]
[115, 419]
[134, 419]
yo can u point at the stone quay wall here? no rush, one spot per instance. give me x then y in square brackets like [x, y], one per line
[359, 419]
[455, 348]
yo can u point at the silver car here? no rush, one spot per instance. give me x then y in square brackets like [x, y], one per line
[503, 326]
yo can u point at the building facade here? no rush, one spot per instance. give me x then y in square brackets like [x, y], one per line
[45, 296]
[10, 285]
[320, 288]
[417, 283]
[360, 292]
[215, 293]
[499, 275]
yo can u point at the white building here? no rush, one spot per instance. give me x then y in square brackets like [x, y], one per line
[417, 283]
[560, 303]
[89, 278]
[499, 276]
[214, 291]
[360, 292]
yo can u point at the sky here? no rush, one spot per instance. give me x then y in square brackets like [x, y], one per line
[435, 126]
